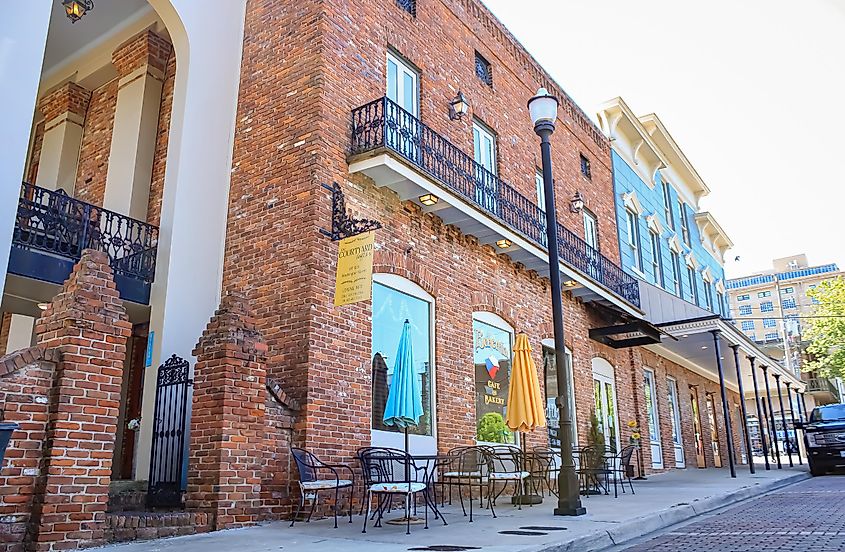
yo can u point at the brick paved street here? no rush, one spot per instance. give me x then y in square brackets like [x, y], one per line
[807, 516]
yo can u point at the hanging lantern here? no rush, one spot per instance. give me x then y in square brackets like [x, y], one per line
[76, 9]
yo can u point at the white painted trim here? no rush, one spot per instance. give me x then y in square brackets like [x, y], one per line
[654, 224]
[632, 202]
[656, 460]
[604, 372]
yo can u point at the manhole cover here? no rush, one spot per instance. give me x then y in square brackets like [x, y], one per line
[445, 548]
[543, 528]
[523, 533]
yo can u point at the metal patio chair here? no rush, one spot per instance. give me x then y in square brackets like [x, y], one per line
[622, 469]
[506, 464]
[467, 467]
[392, 473]
[310, 482]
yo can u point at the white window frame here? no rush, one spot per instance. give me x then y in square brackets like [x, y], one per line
[657, 259]
[632, 227]
[403, 68]
[590, 218]
[676, 272]
[419, 444]
[652, 410]
[673, 400]
[479, 132]
[541, 190]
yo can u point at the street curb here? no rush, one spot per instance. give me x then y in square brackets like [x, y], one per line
[643, 525]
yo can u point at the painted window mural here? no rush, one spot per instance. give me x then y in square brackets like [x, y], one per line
[391, 308]
[492, 354]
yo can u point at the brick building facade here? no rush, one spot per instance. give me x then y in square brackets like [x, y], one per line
[277, 364]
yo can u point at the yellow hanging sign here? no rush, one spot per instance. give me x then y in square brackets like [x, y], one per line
[354, 278]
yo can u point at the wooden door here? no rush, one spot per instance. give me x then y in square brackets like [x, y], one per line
[700, 460]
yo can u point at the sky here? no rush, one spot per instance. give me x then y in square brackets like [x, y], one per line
[753, 91]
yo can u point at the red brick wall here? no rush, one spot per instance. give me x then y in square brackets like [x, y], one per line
[35, 153]
[96, 144]
[5, 326]
[26, 381]
[160, 155]
[70, 97]
[302, 75]
[662, 368]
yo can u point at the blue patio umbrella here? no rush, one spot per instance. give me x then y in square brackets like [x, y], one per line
[404, 400]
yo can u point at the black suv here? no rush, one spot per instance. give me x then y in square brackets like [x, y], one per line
[824, 436]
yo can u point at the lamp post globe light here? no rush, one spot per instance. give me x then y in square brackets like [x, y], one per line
[543, 109]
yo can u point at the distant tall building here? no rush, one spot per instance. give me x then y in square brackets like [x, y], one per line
[770, 308]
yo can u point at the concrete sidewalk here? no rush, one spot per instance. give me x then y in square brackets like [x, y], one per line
[661, 501]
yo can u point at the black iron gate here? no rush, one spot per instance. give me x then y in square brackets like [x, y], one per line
[172, 408]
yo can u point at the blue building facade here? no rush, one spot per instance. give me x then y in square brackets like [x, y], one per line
[664, 238]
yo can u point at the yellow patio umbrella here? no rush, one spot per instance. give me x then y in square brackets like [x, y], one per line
[526, 408]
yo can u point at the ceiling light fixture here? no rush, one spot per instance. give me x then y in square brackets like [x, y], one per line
[504, 243]
[429, 199]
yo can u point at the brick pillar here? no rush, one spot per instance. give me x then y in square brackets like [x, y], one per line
[140, 64]
[87, 323]
[64, 112]
[227, 420]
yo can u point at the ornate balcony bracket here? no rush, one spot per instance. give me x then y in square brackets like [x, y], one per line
[344, 225]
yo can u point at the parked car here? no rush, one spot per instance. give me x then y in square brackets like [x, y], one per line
[824, 436]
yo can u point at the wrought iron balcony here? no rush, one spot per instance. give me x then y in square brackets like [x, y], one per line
[52, 229]
[382, 124]
[825, 387]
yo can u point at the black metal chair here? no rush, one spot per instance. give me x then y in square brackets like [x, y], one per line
[506, 465]
[622, 469]
[466, 467]
[390, 473]
[592, 469]
[310, 482]
[368, 480]
[543, 469]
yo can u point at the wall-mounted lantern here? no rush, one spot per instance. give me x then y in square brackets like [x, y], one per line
[576, 204]
[458, 107]
[76, 9]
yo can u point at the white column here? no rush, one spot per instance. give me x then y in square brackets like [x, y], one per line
[23, 38]
[134, 130]
[60, 152]
[189, 267]
[21, 333]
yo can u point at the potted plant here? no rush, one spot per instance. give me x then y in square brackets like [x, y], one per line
[635, 439]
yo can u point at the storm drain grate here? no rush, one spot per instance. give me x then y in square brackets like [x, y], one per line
[543, 528]
[523, 533]
[445, 548]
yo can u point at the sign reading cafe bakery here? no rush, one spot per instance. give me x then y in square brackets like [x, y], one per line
[353, 281]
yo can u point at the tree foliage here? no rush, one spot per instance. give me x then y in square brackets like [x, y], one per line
[826, 333]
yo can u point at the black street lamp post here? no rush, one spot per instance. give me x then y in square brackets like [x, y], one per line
[543, 109]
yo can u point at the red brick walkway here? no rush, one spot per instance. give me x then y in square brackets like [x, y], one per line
[805, 517]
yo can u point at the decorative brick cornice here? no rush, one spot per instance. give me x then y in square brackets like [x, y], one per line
[70, 99]
[404, 265]
[146, 50]
[13, 362]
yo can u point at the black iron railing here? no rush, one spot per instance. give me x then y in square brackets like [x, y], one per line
[383, 124]
[53, 222]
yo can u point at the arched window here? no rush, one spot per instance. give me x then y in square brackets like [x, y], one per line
[396, 299]
[492, 348]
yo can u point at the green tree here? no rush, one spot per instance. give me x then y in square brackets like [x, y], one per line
[826, 333]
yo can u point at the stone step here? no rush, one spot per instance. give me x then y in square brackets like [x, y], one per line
[130, 526]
